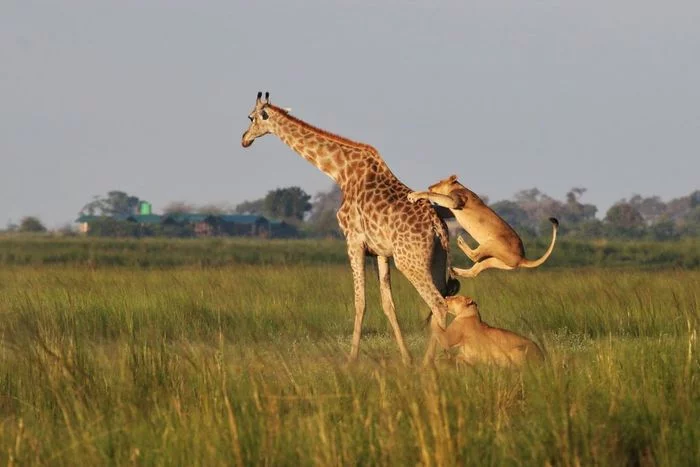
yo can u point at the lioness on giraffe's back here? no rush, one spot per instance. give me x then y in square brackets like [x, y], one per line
[499, 245]
[375, 216]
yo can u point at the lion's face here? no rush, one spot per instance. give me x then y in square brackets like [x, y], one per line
[444, 186]
[460, 305]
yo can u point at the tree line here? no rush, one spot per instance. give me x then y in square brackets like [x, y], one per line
[637, 217]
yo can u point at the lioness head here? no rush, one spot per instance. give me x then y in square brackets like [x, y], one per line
[460, 305]
[445, 186]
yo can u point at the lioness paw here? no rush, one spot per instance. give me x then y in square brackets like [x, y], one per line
[414, 196]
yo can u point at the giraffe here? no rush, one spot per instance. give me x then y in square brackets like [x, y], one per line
[375, 216]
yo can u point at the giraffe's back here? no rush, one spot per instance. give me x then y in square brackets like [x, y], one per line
[392, 225]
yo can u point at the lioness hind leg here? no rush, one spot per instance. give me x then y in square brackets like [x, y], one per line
[472, 254]
[488, 263]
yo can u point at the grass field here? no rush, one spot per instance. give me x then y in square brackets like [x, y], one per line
[247, 364]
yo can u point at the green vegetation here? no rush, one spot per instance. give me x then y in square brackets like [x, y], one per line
[246, 365]
[216, 252]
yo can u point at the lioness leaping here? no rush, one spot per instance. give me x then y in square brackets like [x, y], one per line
[481, 343]
[499, 245]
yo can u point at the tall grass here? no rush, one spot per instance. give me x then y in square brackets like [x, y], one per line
[247, 365]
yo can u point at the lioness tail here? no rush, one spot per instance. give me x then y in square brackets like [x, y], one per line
[526, 263]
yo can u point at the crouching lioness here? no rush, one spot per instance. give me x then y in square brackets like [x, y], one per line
[499, 245]
[481, 343]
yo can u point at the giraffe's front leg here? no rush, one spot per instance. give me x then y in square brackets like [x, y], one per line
[356, 252]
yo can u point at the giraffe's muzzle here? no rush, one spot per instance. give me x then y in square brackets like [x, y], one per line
[246, 142]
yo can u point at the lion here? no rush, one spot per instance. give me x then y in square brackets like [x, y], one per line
[481, 343]
[499, 245]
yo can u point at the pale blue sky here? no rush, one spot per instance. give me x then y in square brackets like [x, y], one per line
[151, 97]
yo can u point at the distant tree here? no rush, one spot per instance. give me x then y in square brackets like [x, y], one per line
[694, 199]
[690, 224]
[31, 224]
[538, 207]
[110, 227]
[663, 230]
[574, 214]
[590, 229]
[215, 209]
[574, 211]
[624, 220]
[251, 207]
[531, 195]
[178, 207]
[67, 230]
[289, 204]
[678, 208]
[651, 208]
[325, 205]
[511, 212]
[114, 204]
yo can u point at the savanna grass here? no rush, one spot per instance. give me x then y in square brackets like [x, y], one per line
[247, 365]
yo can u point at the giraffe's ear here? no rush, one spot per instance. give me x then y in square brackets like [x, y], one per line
[452, 178]
[264, 114]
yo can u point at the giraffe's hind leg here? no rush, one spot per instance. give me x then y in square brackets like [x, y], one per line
[488, 263]
[419, 274]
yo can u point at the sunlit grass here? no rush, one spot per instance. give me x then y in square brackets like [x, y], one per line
[247, 364]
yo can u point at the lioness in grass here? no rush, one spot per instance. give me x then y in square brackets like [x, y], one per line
[499, 246]
[481, 343]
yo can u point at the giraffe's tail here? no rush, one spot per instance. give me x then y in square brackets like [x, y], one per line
[441, 271]
[453, 286]
[446, 283]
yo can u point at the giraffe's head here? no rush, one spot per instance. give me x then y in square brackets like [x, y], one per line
[259, 120]
[445, 186]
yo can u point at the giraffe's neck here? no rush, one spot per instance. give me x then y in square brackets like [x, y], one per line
[333, 155]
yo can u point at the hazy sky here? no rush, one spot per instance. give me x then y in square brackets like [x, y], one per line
[151, 96]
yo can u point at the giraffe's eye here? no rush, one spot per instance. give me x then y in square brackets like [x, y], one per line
[250, 118]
